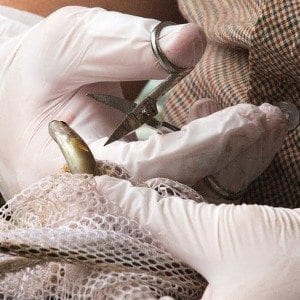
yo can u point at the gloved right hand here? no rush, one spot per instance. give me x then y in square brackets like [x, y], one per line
[47, 69]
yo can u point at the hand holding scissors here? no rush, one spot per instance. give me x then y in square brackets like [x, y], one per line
[47, 70]
[145, 112]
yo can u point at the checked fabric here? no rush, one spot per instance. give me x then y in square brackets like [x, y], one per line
[252, 56]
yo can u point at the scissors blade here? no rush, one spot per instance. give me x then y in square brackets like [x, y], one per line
[126, 107]
[158, 124]
[146, 110]
[116, 102]
[143, 113]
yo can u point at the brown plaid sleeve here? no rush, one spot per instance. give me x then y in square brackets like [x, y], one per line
[252, 56]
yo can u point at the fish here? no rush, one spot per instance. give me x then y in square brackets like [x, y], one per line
[78, 156]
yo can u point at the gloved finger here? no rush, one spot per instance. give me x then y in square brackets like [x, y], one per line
[202, 108]
[143, 205]
[230, 245]
[247, 166]
[92, 45]
[276, 122]
[201, 148]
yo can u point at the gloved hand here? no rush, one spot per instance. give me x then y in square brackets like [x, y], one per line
[234, 145]
[244, 251]
[47, 69]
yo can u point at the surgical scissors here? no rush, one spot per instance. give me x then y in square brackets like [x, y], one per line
[137, 115]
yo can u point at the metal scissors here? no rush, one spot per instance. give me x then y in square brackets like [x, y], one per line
[137, 115]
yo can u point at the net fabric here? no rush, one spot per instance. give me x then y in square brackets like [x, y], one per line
[167, 187]
[61, 239]
[110, 168]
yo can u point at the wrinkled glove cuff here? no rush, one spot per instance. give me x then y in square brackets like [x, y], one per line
[220, 191]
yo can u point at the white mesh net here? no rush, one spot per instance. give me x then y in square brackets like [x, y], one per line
[61, 239]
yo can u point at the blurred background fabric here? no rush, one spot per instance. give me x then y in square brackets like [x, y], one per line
[252, 56]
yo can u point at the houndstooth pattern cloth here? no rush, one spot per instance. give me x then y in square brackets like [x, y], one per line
[252, 56]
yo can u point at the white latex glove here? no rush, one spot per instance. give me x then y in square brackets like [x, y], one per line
[235, 145]
[244, 252]
[47, 69]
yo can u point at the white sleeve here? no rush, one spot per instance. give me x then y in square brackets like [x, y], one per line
[14, 22]
[20, 16]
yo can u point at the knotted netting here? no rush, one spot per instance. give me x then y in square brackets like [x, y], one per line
[62, 239]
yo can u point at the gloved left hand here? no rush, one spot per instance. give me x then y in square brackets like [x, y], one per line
[47, 69]
[244, 251]
[234, 145]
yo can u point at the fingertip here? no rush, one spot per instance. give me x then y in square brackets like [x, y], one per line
[183, 44]
[101, 181]
[276, 122]
[105, 183]
[202, 108]
[271, 110]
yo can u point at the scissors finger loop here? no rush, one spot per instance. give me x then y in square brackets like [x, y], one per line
[164, 62]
